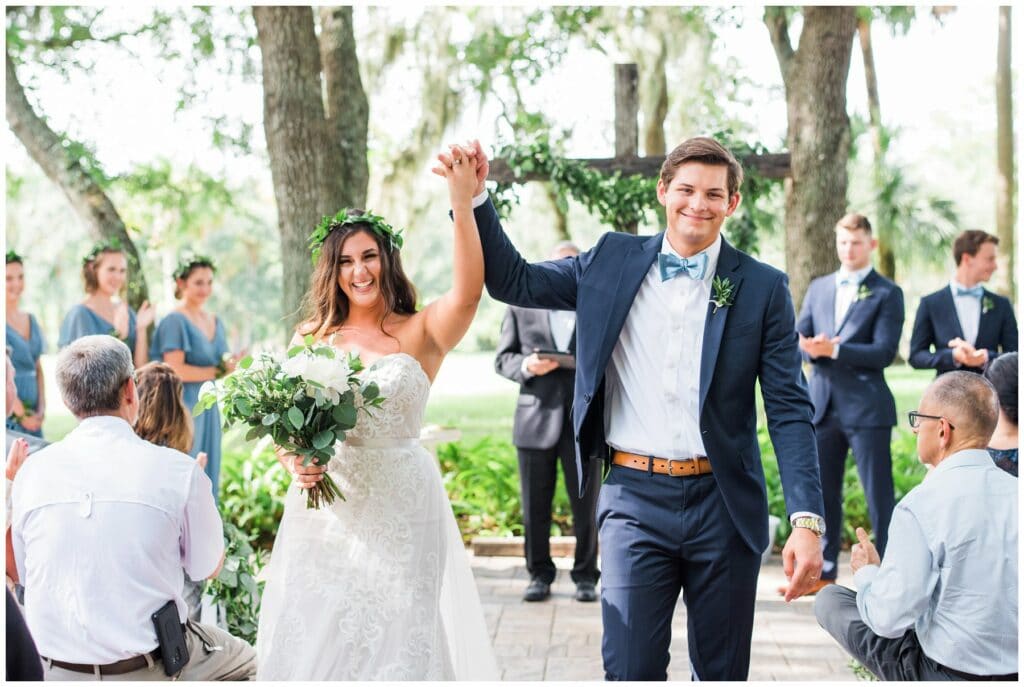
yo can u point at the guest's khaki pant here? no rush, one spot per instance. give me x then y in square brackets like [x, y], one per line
[214, 655]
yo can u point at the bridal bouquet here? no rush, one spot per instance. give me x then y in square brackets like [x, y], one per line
[306, 400]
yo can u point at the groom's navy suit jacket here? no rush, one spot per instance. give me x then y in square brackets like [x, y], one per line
[753, 339]
[937, 323]
[869, 335]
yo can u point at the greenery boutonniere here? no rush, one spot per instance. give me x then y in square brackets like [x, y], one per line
[987, 304]
[862, 293]
[722, 294]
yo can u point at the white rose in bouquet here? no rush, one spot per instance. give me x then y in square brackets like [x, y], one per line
[329, 375]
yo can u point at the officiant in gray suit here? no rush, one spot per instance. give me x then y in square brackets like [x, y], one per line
[542, 434]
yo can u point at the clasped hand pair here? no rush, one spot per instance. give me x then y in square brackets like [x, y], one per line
[967, 355]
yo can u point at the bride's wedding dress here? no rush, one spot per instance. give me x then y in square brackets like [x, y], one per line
[378, 586]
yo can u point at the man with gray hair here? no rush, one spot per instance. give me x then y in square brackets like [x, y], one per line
[943, 604]
[103, 524]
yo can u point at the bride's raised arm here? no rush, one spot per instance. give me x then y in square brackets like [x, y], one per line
[447, 319]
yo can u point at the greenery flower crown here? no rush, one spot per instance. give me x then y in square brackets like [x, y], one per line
[105, 246]
[351, 216]
[13, 257]
[190, 260]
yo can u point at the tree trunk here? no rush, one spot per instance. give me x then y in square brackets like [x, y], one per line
[303, 153]
[883, 231]
[347, 107]
[1004, 149]
[561, 217]
[654, 102]
[818, 136]
[87, 198]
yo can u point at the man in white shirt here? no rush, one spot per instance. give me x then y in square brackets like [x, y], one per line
[673, 331]
[964, 326]
[943, 603]
[103, 525]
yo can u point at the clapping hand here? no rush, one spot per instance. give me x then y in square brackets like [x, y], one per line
[967, 355]
[145, 316]
[16, 457]
[864, 552]
[819, 346]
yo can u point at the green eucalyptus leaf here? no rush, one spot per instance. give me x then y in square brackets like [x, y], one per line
[295, 417]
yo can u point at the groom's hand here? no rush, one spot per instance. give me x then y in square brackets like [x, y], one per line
[802, 562]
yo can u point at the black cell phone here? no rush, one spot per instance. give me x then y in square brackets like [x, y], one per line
[171, 637]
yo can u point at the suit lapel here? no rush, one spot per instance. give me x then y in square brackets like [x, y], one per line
[714, 322]
[855, 306]
[543, 324]
[987, 323]
[949, 307]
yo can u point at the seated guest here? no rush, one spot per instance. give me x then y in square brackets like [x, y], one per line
[103, 524]
[22, 658]
[164, 420]
[1004, 442]
[964, 326]
[943, 604]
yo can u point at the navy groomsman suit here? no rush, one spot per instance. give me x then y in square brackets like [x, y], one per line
[937, 323]
[853, 406]
[660, 534]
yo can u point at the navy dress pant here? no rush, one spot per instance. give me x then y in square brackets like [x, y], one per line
[660, 535]
[874, 465]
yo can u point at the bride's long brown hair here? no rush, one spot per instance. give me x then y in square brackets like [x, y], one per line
[326, 307]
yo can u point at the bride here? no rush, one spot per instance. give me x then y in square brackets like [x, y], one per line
[378, 586]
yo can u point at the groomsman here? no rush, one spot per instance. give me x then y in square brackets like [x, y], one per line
[964, 326]
[849, 328]
[542, 433]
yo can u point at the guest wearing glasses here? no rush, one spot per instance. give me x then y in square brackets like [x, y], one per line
[943, 603]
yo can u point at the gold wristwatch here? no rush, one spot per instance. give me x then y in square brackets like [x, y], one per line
[810, 522]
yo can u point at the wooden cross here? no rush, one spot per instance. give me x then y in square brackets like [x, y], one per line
[626, 160]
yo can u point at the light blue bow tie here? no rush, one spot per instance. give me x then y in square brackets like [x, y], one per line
[976, 291]
[672, 266]
[846, 281]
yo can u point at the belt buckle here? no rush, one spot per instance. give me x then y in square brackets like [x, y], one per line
[673, 461]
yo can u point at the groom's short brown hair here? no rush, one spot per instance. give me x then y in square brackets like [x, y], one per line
[707, 151]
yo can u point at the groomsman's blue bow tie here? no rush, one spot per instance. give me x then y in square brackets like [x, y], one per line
[846, 281]
[976, 291]
[672, 266]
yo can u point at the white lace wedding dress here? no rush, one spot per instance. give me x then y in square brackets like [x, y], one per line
[376, 587]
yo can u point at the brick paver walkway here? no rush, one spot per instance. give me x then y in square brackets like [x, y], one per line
[560, 639]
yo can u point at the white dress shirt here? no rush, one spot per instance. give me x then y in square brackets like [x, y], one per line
[103, 525]
[652, 383]
[950, 567]
[968, 311]
[846, 294]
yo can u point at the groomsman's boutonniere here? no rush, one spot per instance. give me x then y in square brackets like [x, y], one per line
[721, 293]
[986, 304]
[862, 293]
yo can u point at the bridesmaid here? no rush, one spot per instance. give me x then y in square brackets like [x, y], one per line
[25, 343]
[103, 311]
[192, 341]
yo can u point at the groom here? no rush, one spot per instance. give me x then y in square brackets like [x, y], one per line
[673, 331]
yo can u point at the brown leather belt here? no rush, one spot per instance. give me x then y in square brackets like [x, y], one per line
[120, 668]
[687, 467]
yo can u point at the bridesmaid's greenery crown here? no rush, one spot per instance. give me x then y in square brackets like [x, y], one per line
[351, 216]
[190, 261]
[105, 246]
[13, 257]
